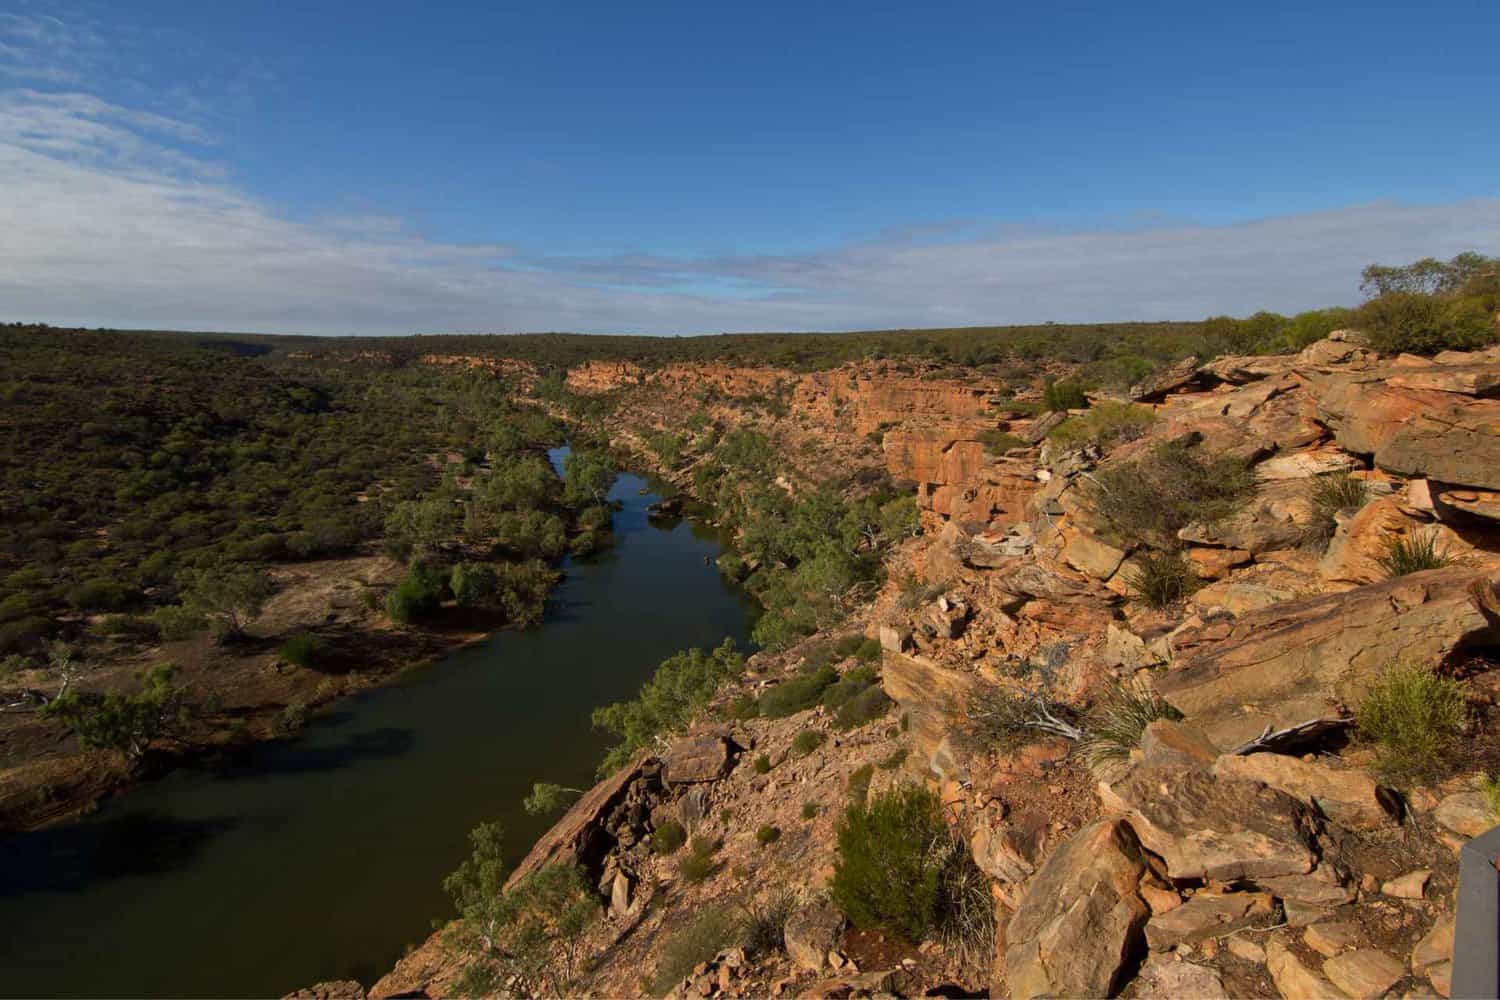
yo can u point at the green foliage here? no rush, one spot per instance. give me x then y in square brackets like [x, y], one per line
[998, 442]
[1428, 276]
[101, 595]
[1064, 395]
[420, 525]
[1489, 787]
[1404, 322]
[587, 477]
[176, 621]
[809, 810]
[1330, 495]
[1307, 328]
[711, 931]
[1162, 579]
[767, 835]
[1414, 718]
[228, 596]
[895, 760]
[857, 646]
[698, 863]
[547, 798]
[532, 932]
[668, 837]
[1107, 424]
[417, 597]
[682, 685]
[797, 694]
[807, 741]
[304, 650]
[473, 584]
[1412, 553]
[1116, 724]
[865, 707]
[889, 872]
[1148, 500]
[763, 923]
[762, 764]
[123, 723]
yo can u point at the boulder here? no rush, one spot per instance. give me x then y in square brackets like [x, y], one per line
[1242, 369]
[1465, 507]
[580, 837]
[1170, 378]
[1274, 519]
[1320, 888]
[1412, 885]
[1080, 923]
[1305, 464]
[1208, 914]
[1436, 945]
[1332, 351]
[1042, 426]
[1364, 973]
[1295, 981]
[1170, 978]
[894, 639]
[1467, 814]
[1008, 850]
[1087, 554]
[1215, 564]
[1354, 554]
[812, 931]
[1439, 435]
[1331, 937]
[698, 759]
[1347, 796]
[1463, 379]
[1310, 658]
[1204, 826]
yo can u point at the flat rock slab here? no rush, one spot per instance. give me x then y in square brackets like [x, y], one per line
[1345, 795]
[1209, 827]
[1364, 973]
[695, 760]
[1208, 914]
[1295, 981]
[1467, 814]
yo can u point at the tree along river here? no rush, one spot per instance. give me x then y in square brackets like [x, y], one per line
[322, 857]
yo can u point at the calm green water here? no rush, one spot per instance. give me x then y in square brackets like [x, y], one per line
[322, 858]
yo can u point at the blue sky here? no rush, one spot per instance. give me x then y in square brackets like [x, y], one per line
[380, 167]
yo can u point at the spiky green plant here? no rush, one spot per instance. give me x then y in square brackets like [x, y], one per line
[1115, 725]
[1413, 553]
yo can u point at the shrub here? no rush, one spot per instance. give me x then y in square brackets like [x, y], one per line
[709, 933]
[101, 595]
[1412, 323]
[1153, 497]
[767, 835]
[1414, 717]
[762, 764]
[998, 442]
[763, 926]
[698, 863]
[176, 621]
[304, 650]
[743, 707]
[124, 723]
[895, 760]
[807, 741]
[889, 871]
[846, 687]
[1412, 553]
[473, 584]
[857, 646]
[809, 810]
[1309, 327]
[1162, 579]
[682, 685]
[867, 706]
[417, 596]
[1105, 425]
[1064, 396]
[668, 837]
[1330, 495]
[1115, 726]
[797, 694]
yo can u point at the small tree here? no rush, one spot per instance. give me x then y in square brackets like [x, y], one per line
[228, 596]
[123, 723]
[547, 798]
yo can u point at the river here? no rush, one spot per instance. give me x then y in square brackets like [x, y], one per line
[322, 857]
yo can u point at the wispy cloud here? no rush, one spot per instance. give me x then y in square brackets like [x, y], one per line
[115, 216]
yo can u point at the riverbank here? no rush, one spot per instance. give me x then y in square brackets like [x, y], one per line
[325, 855]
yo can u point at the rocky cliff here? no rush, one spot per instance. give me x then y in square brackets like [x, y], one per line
[1247, 843]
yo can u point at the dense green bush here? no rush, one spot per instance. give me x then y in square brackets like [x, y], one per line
[867, 706]
[304, 650]
[682, 685]
[417, 597]
[473, 584]
[1151, 498]
[1414, 717]
[101, 595]
[998, 442]
[668, 837]
[698, 863]
[807, 741]
[767, 835]
[1115, 726]
[125, 723]
[1405, 322]
[797, 694]
[1064, 395]
[890, 869]
[1106, 425]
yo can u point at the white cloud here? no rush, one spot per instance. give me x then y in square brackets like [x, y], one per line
[115, 217]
